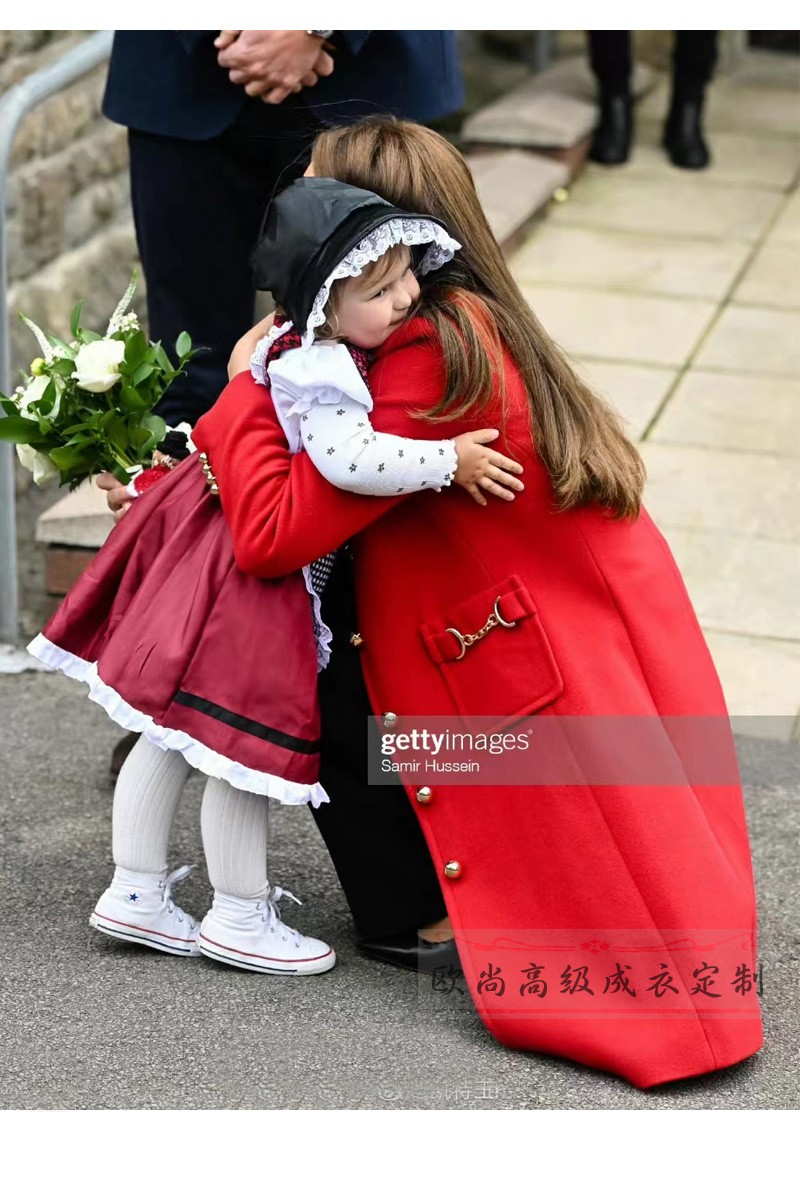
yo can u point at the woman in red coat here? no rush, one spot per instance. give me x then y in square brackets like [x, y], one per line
[611, 923]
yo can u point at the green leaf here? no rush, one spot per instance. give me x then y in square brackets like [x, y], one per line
[136, 348]
[156, 425]
[131, 400]
[141, 373]
[9, 408]
[70, 458]
[45, 405]
[18, 429]
[88, 335]
[62, 366]
[183, 345]
[75, 319]
[57, 342]
[162, 359]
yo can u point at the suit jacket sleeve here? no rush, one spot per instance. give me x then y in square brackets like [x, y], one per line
[281, 512]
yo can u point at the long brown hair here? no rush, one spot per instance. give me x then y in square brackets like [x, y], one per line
[476, 307]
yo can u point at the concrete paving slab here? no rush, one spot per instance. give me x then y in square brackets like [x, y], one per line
[741, 585]
[611, 199]
[773, 278]
[761, 681]
[733, 412]
[513, 186]
[635, 391]
[617, 260]
[786, 229]
[769, 112]
[764, 341]
[89, 1023]
[764, 70]
[703, 490]
[614, 325]
[736, 157]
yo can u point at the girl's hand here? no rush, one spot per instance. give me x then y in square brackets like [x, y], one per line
[117, 496]
[243, 350]
[480, 467]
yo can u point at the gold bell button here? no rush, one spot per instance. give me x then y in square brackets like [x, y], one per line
[424, 795]
[452, 869]
[389, 720]
[356, 639]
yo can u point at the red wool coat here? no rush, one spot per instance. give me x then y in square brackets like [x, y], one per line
[614, 925]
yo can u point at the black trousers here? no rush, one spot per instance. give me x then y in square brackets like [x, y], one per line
[693, 60]
[198, 208]
[372, 834]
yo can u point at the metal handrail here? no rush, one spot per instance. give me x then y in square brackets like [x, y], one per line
[14, 106]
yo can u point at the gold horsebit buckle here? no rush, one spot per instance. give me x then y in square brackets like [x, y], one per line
[468, 639]
[209, 474]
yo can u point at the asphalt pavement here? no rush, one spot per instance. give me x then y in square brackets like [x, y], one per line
[90, 1023]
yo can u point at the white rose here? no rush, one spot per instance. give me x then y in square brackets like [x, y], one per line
[42, 467]
[96, 363]
[34, 391]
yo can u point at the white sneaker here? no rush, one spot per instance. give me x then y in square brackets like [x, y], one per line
[250, 934]
[139, 908]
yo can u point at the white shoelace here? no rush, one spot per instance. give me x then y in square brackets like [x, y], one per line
[176, 876]
[271, 910]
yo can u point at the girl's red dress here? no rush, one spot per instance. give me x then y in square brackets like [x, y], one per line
[177, 643]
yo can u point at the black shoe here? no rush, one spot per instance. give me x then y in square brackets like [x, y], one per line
[409, 950]
[683, 135]
[611, 141]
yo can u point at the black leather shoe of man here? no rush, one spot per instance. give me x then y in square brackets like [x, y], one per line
[407, 949]
[683, 136]
[611, 141]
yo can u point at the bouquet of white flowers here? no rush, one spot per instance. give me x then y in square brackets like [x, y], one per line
[87, 406]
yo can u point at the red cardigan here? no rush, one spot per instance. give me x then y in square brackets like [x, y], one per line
[561, 884]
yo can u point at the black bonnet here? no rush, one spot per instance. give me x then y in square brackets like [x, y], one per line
[308, 229]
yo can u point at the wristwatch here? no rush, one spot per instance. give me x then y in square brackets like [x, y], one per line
[321, 33]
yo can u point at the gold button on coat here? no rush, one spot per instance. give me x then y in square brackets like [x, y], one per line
[389, 719]
[424, 795]
[452, 869]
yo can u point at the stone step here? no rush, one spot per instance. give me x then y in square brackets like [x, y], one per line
[514, 187]
[72, 531]
[554, 110]
[79, 518]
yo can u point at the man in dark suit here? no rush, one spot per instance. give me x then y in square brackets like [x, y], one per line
[215, 121]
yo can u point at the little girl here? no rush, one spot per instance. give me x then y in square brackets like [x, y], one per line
[216, 668]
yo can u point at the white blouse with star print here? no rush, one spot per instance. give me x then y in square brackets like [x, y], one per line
[323, 406]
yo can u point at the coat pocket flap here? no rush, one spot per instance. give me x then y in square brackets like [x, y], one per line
[494, 656]
[498, 607]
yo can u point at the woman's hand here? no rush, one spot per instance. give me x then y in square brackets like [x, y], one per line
[480, 467]
[243, 350]
[117, 495]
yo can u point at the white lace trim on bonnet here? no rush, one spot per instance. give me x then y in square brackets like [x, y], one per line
[406, 231]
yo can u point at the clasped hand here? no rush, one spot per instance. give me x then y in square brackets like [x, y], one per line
[272, 63]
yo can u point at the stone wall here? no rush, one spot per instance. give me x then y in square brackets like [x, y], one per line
[69, 231]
